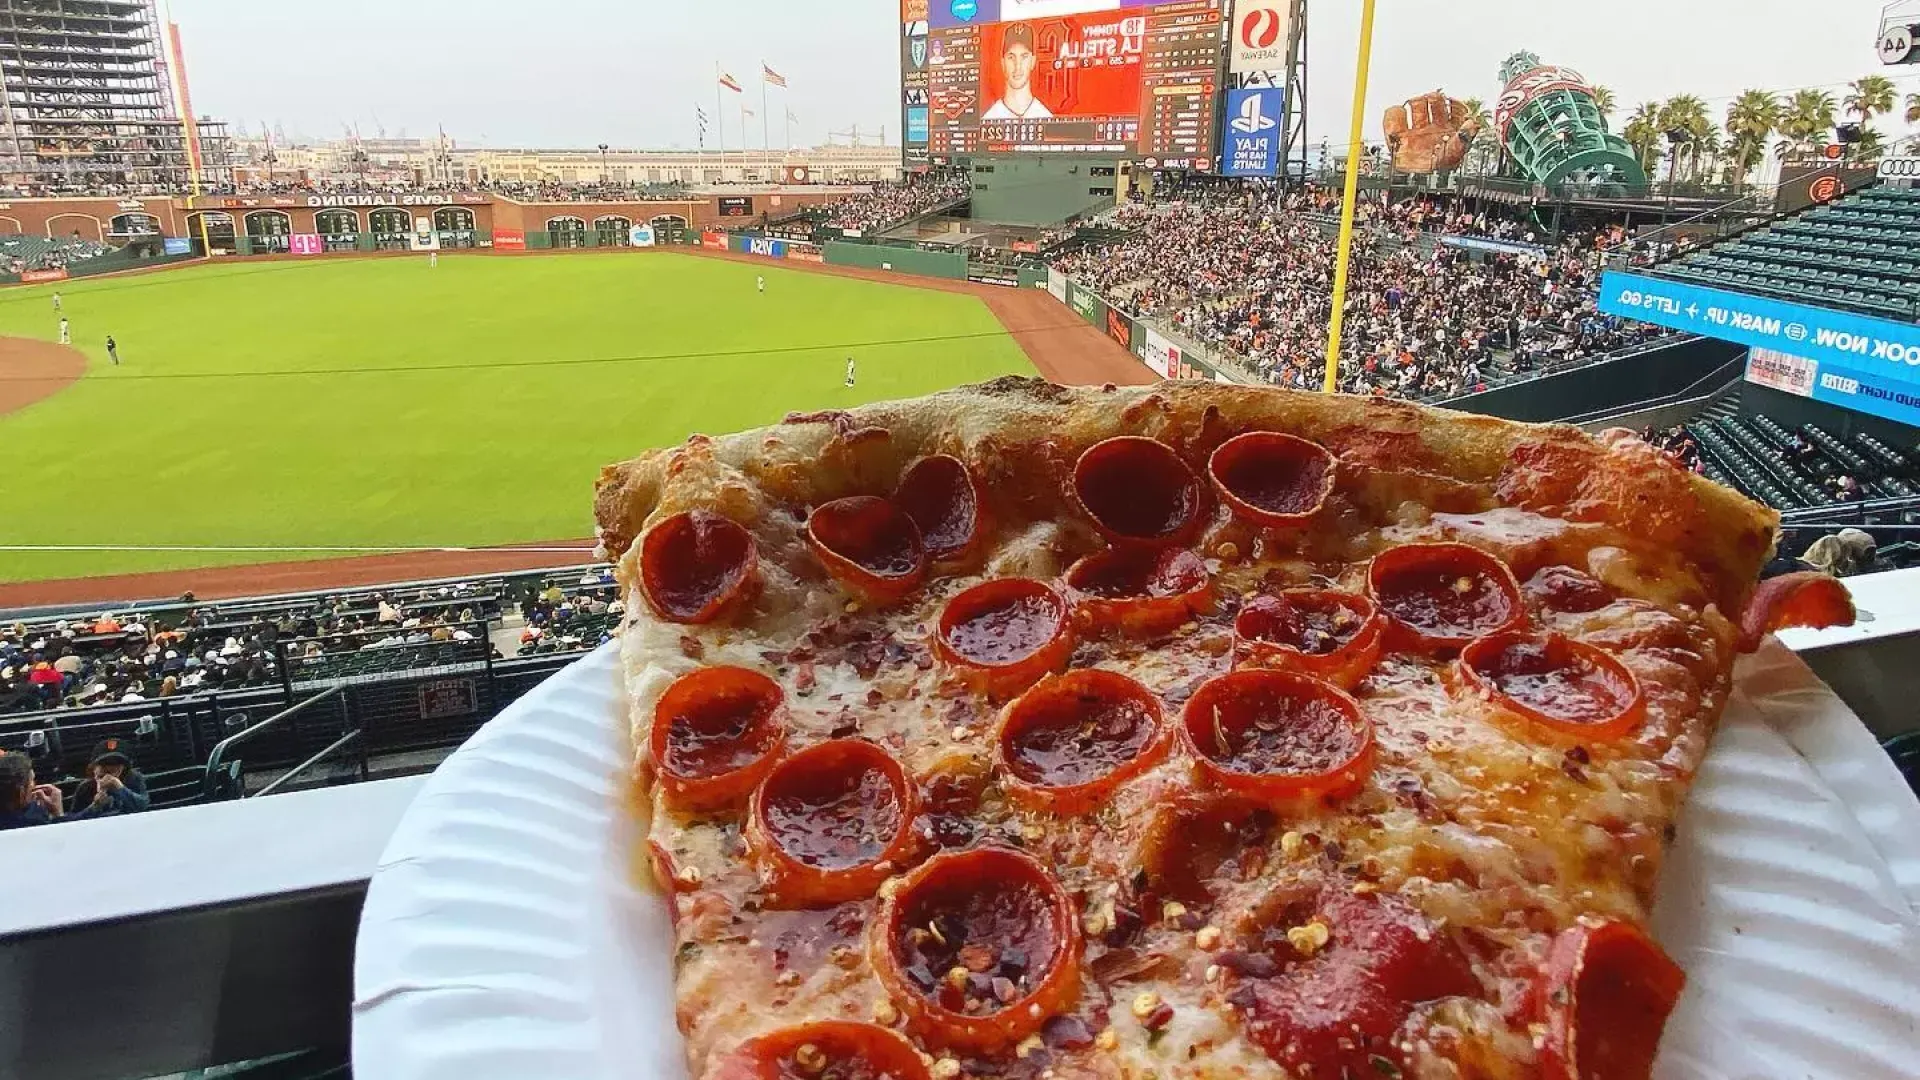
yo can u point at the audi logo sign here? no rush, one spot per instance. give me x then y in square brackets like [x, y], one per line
[1900, 168]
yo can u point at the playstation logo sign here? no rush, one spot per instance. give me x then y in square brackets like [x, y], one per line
[1260, 35]
[1251, 120]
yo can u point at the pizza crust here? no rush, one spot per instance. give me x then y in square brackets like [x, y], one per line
[1023, 435]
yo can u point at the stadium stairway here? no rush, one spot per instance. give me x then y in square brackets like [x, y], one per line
[1861, 254]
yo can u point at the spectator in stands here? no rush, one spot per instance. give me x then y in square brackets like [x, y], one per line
[22, 802]
[1843, 554]
[1249, 273]
[888, 205]
[113, 786]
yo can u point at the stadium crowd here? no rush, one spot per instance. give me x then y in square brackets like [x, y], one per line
[889, 204]
[110, 658]
[1238, 271]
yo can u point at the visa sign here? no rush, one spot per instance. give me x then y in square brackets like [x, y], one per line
[1256, 123]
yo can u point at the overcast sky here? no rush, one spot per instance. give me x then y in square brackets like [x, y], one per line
[559, 73]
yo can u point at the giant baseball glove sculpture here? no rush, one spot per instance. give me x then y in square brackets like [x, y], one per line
[1430, 133]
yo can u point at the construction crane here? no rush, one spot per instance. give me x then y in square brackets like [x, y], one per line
[855, 138]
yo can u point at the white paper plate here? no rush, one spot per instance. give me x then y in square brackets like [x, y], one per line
[504, 937]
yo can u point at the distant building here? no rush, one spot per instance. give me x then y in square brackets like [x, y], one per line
[86, 104]
[441, 163]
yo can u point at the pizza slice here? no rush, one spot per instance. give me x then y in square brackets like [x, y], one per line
[1186, 731]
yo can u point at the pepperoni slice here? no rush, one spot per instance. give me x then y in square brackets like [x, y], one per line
[1806, 599]
[1275, 735]
[1272, 480]
[1442, 596]
[1141, 592]
[978, 948]
[941, 496]
[870, 547]
[1199, 844]
[695, 566]
[1605, 993]
[1324, 633]
[1138, 490]
[1068, 742]
[1558, 683]
[832, 822]
[1562, 588]
[1335, 1011]
[1005, 634]
[839, 1049]
[716, 732]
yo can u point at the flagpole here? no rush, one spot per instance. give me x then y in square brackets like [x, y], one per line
[766, 151]
[720, 117]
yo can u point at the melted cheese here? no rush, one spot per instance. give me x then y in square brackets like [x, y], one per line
[1500, 834]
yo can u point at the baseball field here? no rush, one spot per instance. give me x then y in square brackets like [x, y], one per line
[306, 410]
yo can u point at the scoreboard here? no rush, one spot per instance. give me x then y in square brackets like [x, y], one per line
[1136, 79]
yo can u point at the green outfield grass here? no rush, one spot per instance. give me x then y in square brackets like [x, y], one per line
[380, 403]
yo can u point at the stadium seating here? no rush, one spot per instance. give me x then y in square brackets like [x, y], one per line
[368, 661]
[1861, 254]
[20, 251]
[1799, 469]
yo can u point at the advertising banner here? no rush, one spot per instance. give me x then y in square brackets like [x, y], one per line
[807, 253]
[424, 238]
[1859, 362]
[1260, 32]
[1089, 306]
[1254, 131]
[1161, 356]
[510, 239]
[1120, 328]
[963, 12]
[641, 236]
[736, 206]
[1789, 374]
[1057, 284]
[764, 247]
[714, 241]
[31, 277]
[177, 245]
[306, 244]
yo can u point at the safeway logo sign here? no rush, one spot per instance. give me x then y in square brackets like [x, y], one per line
[1251, 120]
[1259, 29]
[1260, 35]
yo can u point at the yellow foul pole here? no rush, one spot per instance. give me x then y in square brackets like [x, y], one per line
[1345, 257]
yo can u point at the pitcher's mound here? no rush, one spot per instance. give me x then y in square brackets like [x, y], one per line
[33, 371]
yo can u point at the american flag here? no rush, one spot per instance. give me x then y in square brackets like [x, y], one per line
[727, 81]
[772, 76]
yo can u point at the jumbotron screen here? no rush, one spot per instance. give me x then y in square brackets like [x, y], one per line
[1134, 78]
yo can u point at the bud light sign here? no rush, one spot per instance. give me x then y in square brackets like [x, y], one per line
[1256, 122]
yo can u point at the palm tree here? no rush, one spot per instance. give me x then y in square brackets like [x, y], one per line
[1806, 119]
[1871, 147]
[1603, 97]
[1484, 139]
[1871, 95]
[1913, 108]
[1683, 118]
[1750, 120]
[1642, 133]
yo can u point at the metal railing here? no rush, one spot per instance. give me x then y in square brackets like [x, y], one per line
[343, 741]
[220, 753]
